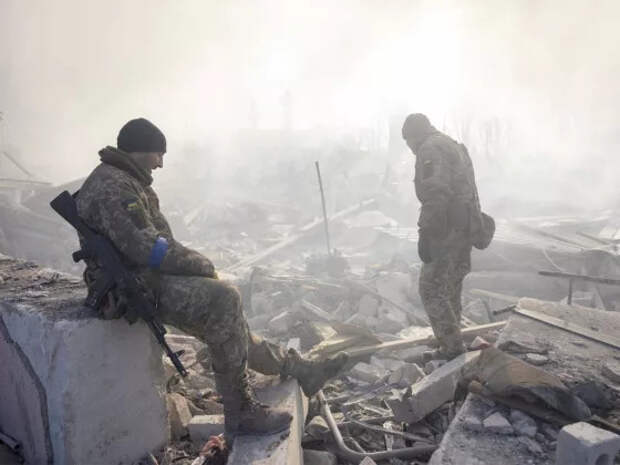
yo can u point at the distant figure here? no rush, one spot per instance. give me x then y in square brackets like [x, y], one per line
[450, 223]
[117, 201]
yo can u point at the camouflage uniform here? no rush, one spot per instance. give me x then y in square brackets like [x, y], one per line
[210, 309]
[117, 201]
[445, 185]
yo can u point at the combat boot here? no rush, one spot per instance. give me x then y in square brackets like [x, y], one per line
[312, 374]
[243, 413]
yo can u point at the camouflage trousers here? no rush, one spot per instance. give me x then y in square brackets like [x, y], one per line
[440, 287]
[211, 311]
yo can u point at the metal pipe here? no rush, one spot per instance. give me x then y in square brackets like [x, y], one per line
[318, 173]
[369, 421]
[581, 277]
[356, 457]
[378, 429]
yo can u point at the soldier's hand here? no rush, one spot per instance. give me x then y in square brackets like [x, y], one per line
[424, 247]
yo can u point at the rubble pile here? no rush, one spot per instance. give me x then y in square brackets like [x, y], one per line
[397, 397]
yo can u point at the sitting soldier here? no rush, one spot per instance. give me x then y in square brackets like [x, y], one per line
[117, 201]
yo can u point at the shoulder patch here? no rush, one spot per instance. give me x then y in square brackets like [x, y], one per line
[136, 212]
[427, 169]
[132, 205]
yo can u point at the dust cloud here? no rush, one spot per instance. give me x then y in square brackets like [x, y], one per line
[529, 86]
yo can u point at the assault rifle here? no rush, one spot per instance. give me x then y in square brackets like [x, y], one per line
[115, 274]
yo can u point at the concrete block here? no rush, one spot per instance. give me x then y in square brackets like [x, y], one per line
[472, 423]
[277, 449]
[392, 320]
[179, 415]
[212, 407]
[523, 343]
[611, 370]
[523, 424]
[202, 427]
[368, 461]
[169, 369]
[536, 359]
[496, 423]
[406, 375]
[365, 372]
[433, 390]
[319, 457]
[317, 428]
[584, 444]
[77, 389]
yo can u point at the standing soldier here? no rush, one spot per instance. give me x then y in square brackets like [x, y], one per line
[450, 223]
[117, 201]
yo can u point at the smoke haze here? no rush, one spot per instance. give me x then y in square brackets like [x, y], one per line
[530, 86]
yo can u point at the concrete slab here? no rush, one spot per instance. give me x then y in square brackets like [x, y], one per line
[523, 424]
[278, 449]
[611, 370]
[433, 390]
[573, 359]
[584, 444]
[75, 389]
[179, 415]
[202, 427]
[496, 423]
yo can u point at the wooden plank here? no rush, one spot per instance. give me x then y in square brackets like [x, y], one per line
[570, 327]
[317, 311]
[417, 341]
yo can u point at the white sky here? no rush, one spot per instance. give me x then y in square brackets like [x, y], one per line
[73, 71]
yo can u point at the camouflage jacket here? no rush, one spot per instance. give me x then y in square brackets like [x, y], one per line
[446, 187]
[117, 201]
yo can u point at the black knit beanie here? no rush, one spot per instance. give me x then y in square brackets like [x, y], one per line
[140, 135]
